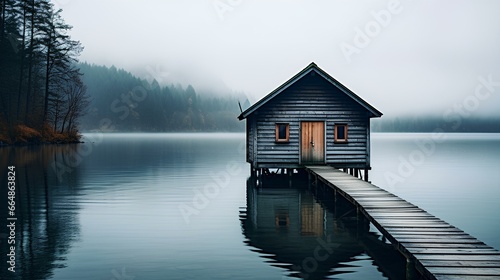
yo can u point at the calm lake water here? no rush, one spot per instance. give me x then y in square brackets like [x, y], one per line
[180, 206]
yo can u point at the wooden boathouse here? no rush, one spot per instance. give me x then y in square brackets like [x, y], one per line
[311, 119]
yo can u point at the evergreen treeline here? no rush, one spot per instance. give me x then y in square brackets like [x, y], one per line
[41, 92]
[123, 102]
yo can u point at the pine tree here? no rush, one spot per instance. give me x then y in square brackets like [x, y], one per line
[38, 68]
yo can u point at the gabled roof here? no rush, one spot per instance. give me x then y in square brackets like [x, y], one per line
[310, 68]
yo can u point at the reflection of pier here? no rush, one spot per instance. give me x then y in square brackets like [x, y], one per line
[311, 238]
[435, 248]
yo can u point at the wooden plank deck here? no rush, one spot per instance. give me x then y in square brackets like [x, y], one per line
[438, 249]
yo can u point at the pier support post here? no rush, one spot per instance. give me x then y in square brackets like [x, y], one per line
[366, 174]
[316, 184]
[359, 222]
[411, 271]
[259, 177]
[335, 202]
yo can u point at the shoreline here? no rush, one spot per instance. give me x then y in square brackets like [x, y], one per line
[23, 135]
[24, 144]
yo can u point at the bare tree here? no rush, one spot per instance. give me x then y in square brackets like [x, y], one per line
[77, 103]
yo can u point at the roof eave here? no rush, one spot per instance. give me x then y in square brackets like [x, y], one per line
[277, 91]
[312, 66]
[376, 113]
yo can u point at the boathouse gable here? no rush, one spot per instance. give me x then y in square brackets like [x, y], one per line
[310, 119]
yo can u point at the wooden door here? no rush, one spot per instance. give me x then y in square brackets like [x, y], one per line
[313, 142]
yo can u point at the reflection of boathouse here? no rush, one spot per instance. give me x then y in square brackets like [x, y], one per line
[293, 231]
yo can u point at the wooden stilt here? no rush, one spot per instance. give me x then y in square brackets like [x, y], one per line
[359, 222]
[259, 176]
[335, 202]
[316, 185]
[411, 271]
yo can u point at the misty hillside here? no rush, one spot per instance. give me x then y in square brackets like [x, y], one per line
[123, 102]
[426, 123]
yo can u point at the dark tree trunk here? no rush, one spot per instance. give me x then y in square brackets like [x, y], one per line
[47, 80]
[21, 68]
[30, 66]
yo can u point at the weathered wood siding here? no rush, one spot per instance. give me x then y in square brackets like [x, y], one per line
[310, 99]
[251, 138]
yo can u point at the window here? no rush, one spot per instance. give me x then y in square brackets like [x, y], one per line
[340, 133]
[282, 133]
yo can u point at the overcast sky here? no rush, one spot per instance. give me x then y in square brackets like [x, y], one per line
[400, 56]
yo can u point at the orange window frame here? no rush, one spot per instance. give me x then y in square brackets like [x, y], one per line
[287, 133]
[336, 132]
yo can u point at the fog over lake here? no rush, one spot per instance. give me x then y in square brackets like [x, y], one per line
[403, 57]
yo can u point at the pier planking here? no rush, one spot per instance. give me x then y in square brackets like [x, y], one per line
[438, 250]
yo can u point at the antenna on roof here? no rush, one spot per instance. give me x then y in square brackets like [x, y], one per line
[241, 110]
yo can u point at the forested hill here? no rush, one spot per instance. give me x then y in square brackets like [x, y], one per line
[122, 102]
[452, 122]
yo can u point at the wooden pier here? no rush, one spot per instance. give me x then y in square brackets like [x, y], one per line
[433, 247]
